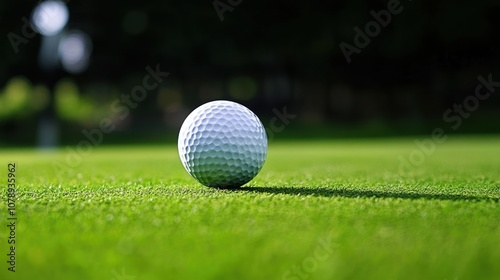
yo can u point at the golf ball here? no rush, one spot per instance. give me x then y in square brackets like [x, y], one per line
[222, 144]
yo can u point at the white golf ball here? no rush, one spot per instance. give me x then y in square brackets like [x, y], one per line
[222, 144]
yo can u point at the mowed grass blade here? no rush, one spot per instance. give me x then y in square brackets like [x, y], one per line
[318, 210]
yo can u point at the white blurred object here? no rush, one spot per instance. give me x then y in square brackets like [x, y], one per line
[74, 51]
[50, 17]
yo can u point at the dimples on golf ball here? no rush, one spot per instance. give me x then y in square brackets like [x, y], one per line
[222, 144]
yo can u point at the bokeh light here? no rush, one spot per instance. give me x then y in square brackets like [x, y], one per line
[71, 104]
[74, 51]
[15, 97]
[50, 17]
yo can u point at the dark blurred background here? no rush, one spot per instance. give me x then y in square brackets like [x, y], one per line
[268, 55]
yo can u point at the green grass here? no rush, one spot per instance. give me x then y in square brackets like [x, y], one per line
[134, 210]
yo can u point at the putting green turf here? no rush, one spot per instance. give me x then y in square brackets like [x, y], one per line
[335, 209]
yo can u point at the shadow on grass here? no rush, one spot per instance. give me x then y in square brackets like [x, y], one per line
[331, 192]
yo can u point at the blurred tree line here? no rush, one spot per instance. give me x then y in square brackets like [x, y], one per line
[264, 54]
